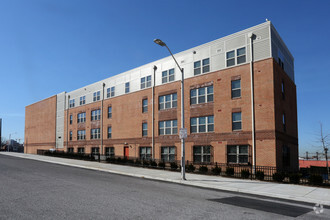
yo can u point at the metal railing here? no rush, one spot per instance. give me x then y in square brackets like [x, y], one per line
[313, 175]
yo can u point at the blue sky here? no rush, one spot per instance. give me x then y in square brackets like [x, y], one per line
[48, 46]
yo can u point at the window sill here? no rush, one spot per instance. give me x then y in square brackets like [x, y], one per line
[235, 98]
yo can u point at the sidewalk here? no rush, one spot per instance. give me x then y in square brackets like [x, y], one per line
[300, 193]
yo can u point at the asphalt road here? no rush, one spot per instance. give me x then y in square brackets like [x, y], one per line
[37, 190]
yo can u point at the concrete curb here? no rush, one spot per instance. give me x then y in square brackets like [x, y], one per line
[188, 183]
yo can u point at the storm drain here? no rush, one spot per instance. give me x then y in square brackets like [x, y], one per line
[266, 206]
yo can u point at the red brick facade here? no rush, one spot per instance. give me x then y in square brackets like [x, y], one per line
[127, 117]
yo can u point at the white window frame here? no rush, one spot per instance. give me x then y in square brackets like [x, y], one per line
[110, 151]
[95, 115]
[82, 100]
[144, 129]
[127, 89]
[235, 57]
[203, 153]
[237, 153]
[71, 103]
[96, 96]
[236, 89]
[95, 150]
[208, 124]
[81, 117]
[81, 134]
[95, 133]
[145, 82]
[144, 105]
[81, 150]
[109, 132]
[169, 125]
[166, 154]
[168, 76]
[109, 111]
[110, 92]
[237, 121]
[201, 67]
[168, 101]
[208, 95]
[144, 151]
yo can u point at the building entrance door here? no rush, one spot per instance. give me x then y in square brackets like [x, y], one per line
[126, 152]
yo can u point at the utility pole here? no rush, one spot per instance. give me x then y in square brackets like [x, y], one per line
[325, 148]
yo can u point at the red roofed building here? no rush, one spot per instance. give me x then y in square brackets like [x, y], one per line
[309, 163]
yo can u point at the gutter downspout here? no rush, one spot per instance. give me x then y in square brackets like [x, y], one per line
[153, 115]
[102, 119]
[67, 123]
[251, 35]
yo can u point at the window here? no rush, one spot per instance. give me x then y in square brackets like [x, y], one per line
[127, 87]
[71, 118]
[70, 135]
[286, 156]
[110, 92]
[95, 133]
[205, 66]
[146, 82]
[237, 121]
[284, 122]
[82, 100]
[95, 150]
[201, 95]
[144, 129]
[236, 88]
[236, 57]
[167, 101]
[202, 124]
[145, 105]
[145, 153]
[96, 96]
[237, 153]
[109, 112]
[283, 90]
[71, 103]
[70, 149]
[81, 135]
[96, 115]
[110, 151]
[81, 150]
[168, 127]
[81, 117]
[168, 154]
[109, 132]
[168, 76]
[202, 154]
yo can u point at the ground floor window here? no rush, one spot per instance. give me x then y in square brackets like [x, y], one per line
[202, 154]
[145, 153]
[168, 154]
[110, 151]
[81, 150]
[95, 150]
[237, 153]
[70, 149]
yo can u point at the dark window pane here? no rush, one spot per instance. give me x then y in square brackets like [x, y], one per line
[231, 62]
[210, 128]
[209, 98]
[197, 64]
[193, 100]
[237, 125]
[230, 54]
[197, 71]
[193, 129]
[243, 159]
[206, 69]
[202, 128]
[241, 51]
[236, 93]
[241, 59]
[232, 159]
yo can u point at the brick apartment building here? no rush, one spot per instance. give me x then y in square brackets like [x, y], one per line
[115, 116]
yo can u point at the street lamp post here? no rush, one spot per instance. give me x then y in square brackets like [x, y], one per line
[183, 131]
